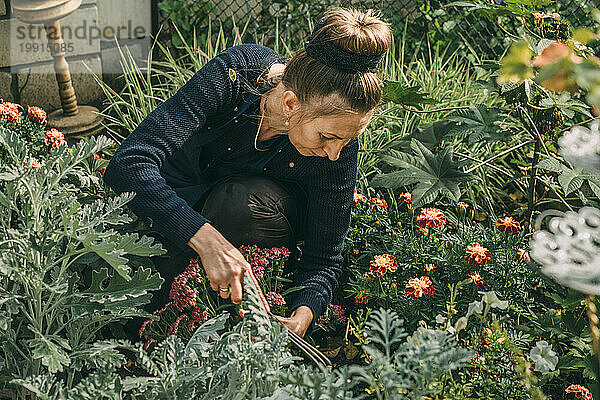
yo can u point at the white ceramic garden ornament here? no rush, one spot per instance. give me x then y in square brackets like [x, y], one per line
[569, 251]
[581, 146]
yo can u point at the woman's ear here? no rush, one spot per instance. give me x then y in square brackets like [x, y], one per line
[290, 102]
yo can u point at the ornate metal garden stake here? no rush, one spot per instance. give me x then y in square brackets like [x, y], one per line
[72, 120]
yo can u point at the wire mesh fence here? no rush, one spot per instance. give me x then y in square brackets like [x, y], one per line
[419, 20]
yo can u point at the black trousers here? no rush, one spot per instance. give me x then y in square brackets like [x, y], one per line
[245, 209]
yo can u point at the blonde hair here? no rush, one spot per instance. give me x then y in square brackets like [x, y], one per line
[353, 30]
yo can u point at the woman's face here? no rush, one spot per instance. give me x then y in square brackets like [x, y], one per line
[325, 136]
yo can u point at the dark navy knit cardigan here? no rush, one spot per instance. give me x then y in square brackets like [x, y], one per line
[216, 112]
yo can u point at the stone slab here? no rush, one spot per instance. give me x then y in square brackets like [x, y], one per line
[111, 59]
[38, 84]
[124, 19]
[26, 46]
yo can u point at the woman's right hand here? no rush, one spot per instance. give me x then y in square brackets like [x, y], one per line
[224, 264]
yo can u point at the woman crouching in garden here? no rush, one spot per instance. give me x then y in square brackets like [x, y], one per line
[259, 149]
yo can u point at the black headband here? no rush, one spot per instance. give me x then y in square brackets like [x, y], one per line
[335, 57]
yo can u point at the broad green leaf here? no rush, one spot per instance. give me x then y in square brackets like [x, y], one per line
[409, 96]
[584, 35]
[566, 104]
[14, 145]
[109, 252]
[570, 181]
[51, 355]
[551, 164]
[516, 65]
[430, 135]
[119, 289]
[145, 247]
[434, 174]
[480, 121]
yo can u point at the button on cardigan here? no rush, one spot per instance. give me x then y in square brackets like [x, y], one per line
[205, 132]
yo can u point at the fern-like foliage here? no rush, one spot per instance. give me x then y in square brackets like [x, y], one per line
[434, 174]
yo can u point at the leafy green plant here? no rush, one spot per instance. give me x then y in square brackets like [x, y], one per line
[252, 361]
[50, 230]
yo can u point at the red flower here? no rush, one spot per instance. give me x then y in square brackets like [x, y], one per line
[522, 255]
[259, 258]
[175, 325]
[363, 297]
[580, 391]
[431, 218]
[476, 278]
[182, 291]
[101, 170]
[429, 267]
[10, 112]
[54, 138]
[32, 163]
[416, 288]
[462, 205]
[405, 197]
[378, 202]
[274, 299]
[36, 114]
[477, 254]
[508, 225]
[338, 312]
[358, 198]
[381, 264]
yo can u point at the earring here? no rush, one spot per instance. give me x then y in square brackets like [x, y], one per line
[287, 123]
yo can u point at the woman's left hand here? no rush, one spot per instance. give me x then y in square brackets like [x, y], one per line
[299, 321]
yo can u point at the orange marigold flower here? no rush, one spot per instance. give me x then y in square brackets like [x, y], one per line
[101, 170]
[96, 156]
[381, 264]
[477, 254]
[522, 255]
[10, 112]
[379, 202]
[462, 205]
[431, 218]
[476, 278]
[32, 163]
[36, 114]
[358, 198]
[355, 251]
[416, 288]
[429, 267]
[54, 138]
[579, 391]
[405, 197]
[508, 225]
[363, 297]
